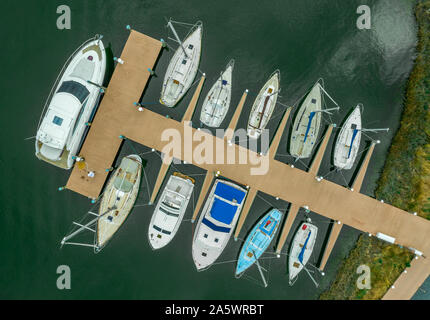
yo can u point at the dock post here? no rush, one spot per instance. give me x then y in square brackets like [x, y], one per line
[315, 166]
[229, 133]
[252, 192]
[165, 164]
[292, 214]
[205, 188]
[192, 106]
[278, 135]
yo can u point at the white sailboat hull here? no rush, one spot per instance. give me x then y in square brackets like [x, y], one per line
[304, 134]
[348, 141]
[299, 254]
[217, 101]
[263, 106]
[170, 210]
[118, 202]
[72, 105]
[182, 69]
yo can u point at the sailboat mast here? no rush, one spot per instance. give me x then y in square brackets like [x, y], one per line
[375, 130]
[326, 93]
[177, 37]
[261, 273]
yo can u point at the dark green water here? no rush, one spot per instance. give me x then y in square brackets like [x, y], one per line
[305, 39]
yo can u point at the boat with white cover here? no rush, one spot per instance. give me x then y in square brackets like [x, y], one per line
[183, 66]
[170, 210]
[348, 141]
[118, 199]
[217, 221]
[71, 104]
[217, 101]
[263, 106]
[307, 125]
[301, 249]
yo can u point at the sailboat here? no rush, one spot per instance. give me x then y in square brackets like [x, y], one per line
[118, 199]
[217, 101]
[348, 141]
[301, 249]
[183, 66]
[307, 124]
[263, 106]
[217, 221]
[258, 240]
[170, 210]
[71, 104]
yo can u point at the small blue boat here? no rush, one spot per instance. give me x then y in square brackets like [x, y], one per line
[258, 240]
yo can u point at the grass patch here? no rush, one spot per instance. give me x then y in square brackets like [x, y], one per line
[386, 263]
[405, 180]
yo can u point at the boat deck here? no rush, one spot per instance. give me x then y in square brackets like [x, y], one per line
[117, 116]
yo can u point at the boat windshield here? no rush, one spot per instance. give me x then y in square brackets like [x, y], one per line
[76, 89]
[123, 183]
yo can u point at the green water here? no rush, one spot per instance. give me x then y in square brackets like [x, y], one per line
[305, 39]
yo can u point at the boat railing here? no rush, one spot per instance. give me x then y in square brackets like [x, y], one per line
[60, 75]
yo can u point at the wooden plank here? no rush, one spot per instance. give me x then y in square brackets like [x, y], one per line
[320, 154]
[233, 122]
[358, 181]
[165, 164]
[245, 210]
[192, 106]
[205, 188]
[334, 234]
[408, 283]
[126, 85]
[279, 132]
[292, 214]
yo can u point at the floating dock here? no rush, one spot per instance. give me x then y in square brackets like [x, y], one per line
[118, 117]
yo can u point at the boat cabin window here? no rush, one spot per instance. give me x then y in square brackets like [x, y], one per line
[205, 235]
[224, 82]
[190, 46]
[76, 89]
[184, 61]
[57, 120]
[204, 254]
[314, 101]
[216, 239]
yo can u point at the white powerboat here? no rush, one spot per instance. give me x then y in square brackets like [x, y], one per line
[217, 101]
[183, 66]
[217, 221]
[71, 104]
[170, 210]
[263, 106]
[348, 141]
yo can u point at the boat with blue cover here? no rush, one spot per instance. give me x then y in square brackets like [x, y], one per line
[301, 249]
[217, 221]
[258, 240]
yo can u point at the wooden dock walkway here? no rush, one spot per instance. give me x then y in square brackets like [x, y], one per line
[117, 116]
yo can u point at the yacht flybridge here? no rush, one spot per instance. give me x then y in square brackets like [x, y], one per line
[71, 104]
